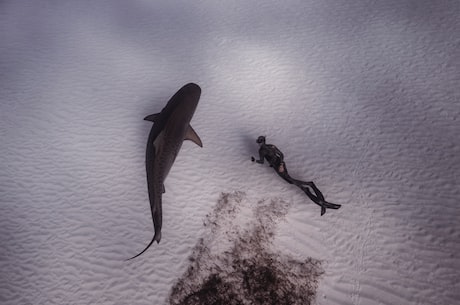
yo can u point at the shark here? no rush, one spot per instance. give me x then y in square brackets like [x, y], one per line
[170, 128]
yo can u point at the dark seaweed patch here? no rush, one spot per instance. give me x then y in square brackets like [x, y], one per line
[234, 264]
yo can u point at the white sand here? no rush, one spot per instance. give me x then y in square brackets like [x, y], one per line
[362, 97]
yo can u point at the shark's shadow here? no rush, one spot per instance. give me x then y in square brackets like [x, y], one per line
[234, 263]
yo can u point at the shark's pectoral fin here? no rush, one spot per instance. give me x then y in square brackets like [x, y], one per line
[152, 117]
[192, 136]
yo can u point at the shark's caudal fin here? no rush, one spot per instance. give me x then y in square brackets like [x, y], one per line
[156, 237]
[193, 136]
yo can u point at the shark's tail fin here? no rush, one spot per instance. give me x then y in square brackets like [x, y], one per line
[156, 237]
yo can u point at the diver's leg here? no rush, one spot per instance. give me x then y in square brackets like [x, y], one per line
[315, 199]
[319, 199]
[318, 193]
[302, 184]
[316, 190]
[281, 170]
[286, 177]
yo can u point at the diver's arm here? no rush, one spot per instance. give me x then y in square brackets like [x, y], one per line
[261, 156]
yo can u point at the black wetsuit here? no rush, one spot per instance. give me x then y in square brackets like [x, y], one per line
[276, 160]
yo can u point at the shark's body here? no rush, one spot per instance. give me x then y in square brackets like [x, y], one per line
[171, 127]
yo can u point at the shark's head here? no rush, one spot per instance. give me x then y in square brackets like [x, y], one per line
[191, 93]
[192, 90]
[184, 101]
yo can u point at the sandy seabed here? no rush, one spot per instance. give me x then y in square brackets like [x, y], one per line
[362, 97]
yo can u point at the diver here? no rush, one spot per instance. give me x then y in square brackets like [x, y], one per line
[275, 158]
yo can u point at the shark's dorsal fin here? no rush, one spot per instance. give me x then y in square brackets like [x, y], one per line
[192, 136]
[152, 117]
